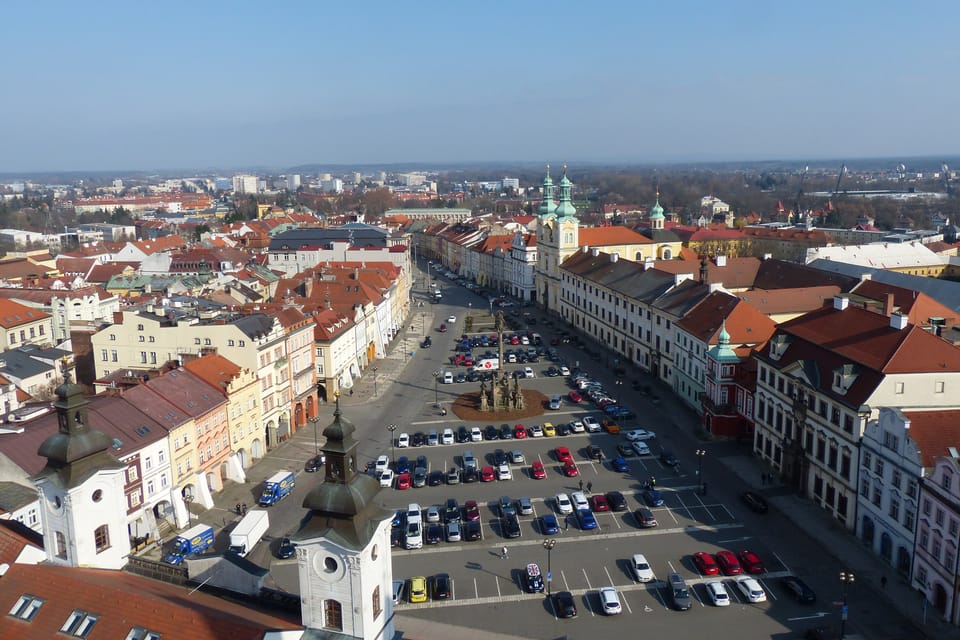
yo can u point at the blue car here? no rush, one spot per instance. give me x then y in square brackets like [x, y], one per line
[403, 465]
[398, 518]
[549, 525]
[653, 498]
[620, 464]
[587, 519]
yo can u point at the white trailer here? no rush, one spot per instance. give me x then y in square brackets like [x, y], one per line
[247, 533]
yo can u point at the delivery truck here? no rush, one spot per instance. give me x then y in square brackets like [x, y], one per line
[248, 532]
[190, 542]
[277, 487]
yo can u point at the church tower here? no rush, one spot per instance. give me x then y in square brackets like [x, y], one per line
[83, 505]
[656, 215]
[557, 239]
[343, 547]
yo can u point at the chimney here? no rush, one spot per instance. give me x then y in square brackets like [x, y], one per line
[767, 256]
[840, 302]
[721, 261]
[595, 252]
[648, 263]
[898, 321]
[150, 308]
[888, 305]
[614, 257]
[937, 323]
[584, 248]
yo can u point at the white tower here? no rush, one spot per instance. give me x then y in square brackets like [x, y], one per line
[83, 506]
[343, 547]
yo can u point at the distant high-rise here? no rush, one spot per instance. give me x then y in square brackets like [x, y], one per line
[293, 182]
[244, 184]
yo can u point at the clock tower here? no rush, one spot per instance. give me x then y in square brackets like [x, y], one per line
[343, 547]
[83, 506]
[557, 239]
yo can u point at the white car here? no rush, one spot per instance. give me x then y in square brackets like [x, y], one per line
[433, 513]
[577, 426]
[528, 372]
[592, 424]
[476, 434]
[639, 434]
[403, 440]
[447, 436]
[610, 601]
[641, 568]
[536, 431]
[564, 506]
[386, 478]
[751, 589]
[717, 593]
[383, 463]
[579, 500]
[517, 457]
[564, 371]
[504, 473]
[640, 447]
[414, 539]
[555, 402]
[413, 512]
[452, 320]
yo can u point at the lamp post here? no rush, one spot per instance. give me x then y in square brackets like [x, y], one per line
[374, 382]
[700, 454]
[187, 499]
[436, 389]
[316, 422]
[393, 451]
[619, 385]
[423, 323]
[549, 545]
[846, 579]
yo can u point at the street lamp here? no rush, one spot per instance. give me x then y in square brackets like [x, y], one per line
[423, 323]
[549, 545]
[846, 579]
[187, 499]
[619, 385]
[316, 425]
[393, 451]
[374, 382]
[700, 454]
[436, 389]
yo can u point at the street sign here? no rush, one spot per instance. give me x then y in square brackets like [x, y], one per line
[549, 576]
[843, 612]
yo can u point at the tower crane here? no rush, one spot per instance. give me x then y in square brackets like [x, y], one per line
[836, 189]
[901, 174]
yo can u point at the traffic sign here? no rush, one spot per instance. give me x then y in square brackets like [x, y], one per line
[549, 576]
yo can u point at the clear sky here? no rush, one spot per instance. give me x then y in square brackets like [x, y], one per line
[130, 85]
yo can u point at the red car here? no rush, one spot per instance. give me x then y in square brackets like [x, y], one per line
[519, 432]
[487, 475]
[751, 562]
[403, 481]
[729, 563]
[570, 470]
[563, 454]
[705, 564]
[471, 511]
[537, 470]
[468, 361]
[575, 397]
[599, 503]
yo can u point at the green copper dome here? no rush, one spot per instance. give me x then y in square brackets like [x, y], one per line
[657, 211]
[547, 206]
[565, 209]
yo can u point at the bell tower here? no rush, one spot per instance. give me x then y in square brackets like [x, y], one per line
[82, 502]
[343, 547]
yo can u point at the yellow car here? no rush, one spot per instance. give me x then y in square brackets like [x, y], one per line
[418, 589]
[549, 429]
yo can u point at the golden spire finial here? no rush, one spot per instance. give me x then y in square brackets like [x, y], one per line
[564, 169]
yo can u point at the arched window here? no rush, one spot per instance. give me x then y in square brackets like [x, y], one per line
[101, 537]
[332, 615]
[377, 606]
[667, 254]
[61, 545]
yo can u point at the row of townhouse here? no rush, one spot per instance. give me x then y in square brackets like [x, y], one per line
[179, 436]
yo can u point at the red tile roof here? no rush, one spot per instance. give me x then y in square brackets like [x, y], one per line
[610, 236]
[800, 300]
[934, 432]
[13, 314]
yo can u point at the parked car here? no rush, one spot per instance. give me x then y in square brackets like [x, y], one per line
[617, 501]
[511, 526]
[620, 465]
[453, 476]
[610, 601]
[645, 518]
[587, 519]
[564, 605]
[653, 498]
[471, 511]
[418, 589]
[472, 531]
[799, 589]
[286, 549]
[537, 472]
[679, 592]
[563, 454]
[549, 525]
[729, 563]
[487, 474]
[640, 448]
[751, 589]
[575, 397]
[705, 564]
[563, 503]
[641, 568]
[313, 464]
[533, 578]
[403, 441]
[639, 434]
[599, 502]
[755, 501]
[717, 593]
[440, 586]
[667, 458]
[751, 562]
[570, 470]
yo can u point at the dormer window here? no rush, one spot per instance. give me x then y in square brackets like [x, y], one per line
[778, 345]
[79, 624]
[844, 377]
[26, 607]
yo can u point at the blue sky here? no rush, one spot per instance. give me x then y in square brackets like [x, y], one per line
[159, 85]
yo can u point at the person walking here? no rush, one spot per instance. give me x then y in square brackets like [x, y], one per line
[566, 523]
[581, 485]
[589, 487]
[504, 554]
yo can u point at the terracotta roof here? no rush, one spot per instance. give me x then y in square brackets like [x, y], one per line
[13, 314]
[21, 267]
[934, 432]
[744, 323]
[101, 273]
[739, 273]
[121, 601]
[917, 306]
[213, 369]
[802, 300]
[14, 536]
[609, 236]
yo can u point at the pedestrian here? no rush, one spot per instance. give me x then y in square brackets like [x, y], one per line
[703, 488]
[589, 487]
[504, 554]
[244, 508]
[581, 485]
[237, 508]
[566, 523]
[351, 391]
[883, 582]
[653, 481]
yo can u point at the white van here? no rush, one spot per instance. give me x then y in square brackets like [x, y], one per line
[487, 364]
[448, 378]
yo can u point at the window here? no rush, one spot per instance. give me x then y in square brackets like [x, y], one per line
[196, 341]
[895, 478]
[898, 387]
[935, 550]
[101, 537]
[132, 474]
[26, 607]
[139, 633]
[867, 459]
[912, 488]
[894, 510]
[865, 488]
[206, 341]
[113, 336]
[142, 338]
[939, 517]
[924, 539]
[948, 559]
[909, 518]
[878, 468]
[61, 545]
[945, 481]
[103, 355]
[79, 623]
[877, 495]
[926, 507]
[377, 607]
[143, 357]
[113, 355]
[332, 615]
[891, 441]
[953, 528]
[139, 327]
[938, 386]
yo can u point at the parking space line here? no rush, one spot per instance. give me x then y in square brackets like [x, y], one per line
[659, 596]
[767, 589]
[693, 590]
[616, 520]
[587, 578]
[453, 588]
[670, 511]
[733, 590]
[496, 580]
[564, 578]
[786, 568]
[729, 513]
[623, 598]
[709, 512]
[685, 508]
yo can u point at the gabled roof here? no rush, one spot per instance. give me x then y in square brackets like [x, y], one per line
[14, 536]
[609, 236]
[934, 432]
[777, 301]
[781, 274]
[213, 369]
[187, 392]
[917, 306]
[122, 600]
[738, 273]
[744, 323]
[627, 278]
[13, 314]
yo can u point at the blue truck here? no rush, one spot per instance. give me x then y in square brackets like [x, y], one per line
[190, 542]
[277, 487]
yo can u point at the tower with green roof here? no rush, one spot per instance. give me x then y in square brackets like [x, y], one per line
[557, 239]
[656, 215]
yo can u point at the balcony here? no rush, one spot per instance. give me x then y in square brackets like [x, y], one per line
[725, 409]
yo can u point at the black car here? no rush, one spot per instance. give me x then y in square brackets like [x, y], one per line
[499, 457]
[435, 479]
[461, 377]
[594, 452]
[564, 605]
[473, 376]
[616, 501]
[645, 518]
[491, 433]
[506, 433]
[286, 549]
[397, 536]
[427, 343]
[440, 587]
[463, 434]
[471, 531]
[418, 439]
[470, 475]
[667, 458]
[507, 506]
[511, 526]
[798, 589]
[451, 512]
[313, 464]
[755, 501]
[434, 533]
